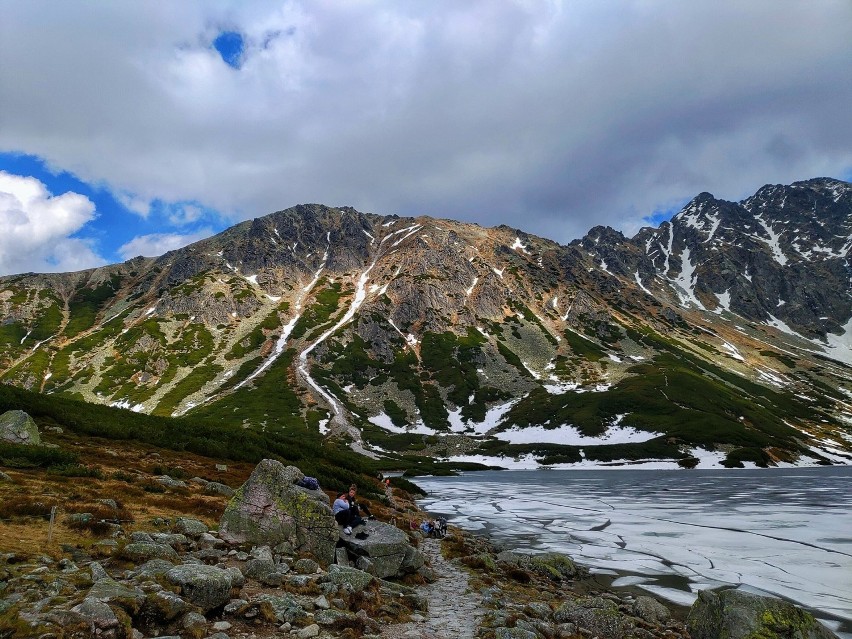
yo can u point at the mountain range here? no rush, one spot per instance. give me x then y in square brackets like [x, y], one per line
[721, 338]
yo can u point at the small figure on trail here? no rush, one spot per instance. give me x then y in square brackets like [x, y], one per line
[387, 482]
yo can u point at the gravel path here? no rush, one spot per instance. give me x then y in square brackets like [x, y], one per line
[454, 611]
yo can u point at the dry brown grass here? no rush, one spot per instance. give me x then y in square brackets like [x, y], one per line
[25, 503]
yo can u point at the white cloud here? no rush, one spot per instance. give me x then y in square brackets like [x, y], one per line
[549, 115]
[183, 214]
[155, 244]
[35, 227]
[138, 205]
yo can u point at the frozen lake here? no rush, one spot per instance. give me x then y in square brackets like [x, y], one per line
[786, 532]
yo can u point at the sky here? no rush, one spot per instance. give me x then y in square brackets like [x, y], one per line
[131, 128]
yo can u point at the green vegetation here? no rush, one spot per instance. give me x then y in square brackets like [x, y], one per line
[14, 456]
[257, 337]
[396, 414]
[333, 465]
[86, 302]
[679, 395]
[318, 314]
[191, 383]
[583, 347]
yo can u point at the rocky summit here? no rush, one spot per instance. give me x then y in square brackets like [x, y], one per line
[721, 338]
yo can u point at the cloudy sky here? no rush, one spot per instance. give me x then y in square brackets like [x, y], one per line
[132, 128]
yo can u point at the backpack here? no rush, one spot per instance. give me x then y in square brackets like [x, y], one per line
[308, 482]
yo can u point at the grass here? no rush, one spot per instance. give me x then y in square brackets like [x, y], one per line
[87, 302]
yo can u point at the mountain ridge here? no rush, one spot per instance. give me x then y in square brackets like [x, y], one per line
[423, 336]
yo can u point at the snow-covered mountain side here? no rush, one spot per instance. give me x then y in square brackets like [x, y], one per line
[720, 338]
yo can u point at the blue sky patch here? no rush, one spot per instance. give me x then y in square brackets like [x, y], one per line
[230, 46]
[115, 223]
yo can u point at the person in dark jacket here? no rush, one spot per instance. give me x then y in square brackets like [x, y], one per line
[355, 508]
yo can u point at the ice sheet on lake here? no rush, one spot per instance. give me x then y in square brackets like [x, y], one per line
[783, 532]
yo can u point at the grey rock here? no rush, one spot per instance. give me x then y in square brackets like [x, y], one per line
[270, 508]
[141, 537]
[17, 427]
[109, 503]
[258, 568]
[331, 617]
[285, 607]
[356, 580]
[234, 605]
[305, 566]
[514, 633]
[735, 614]
[237, 578]
[140, 552]
[308, 632]
[650, 610]
[190, 527]
[412, 561]
[109, 591]
[204, 586]
[538, 610]
[221, 626]
[193, 621]
[170, 482]
[175, 540]
[262, 552]
[98, 571]
[341, 556]
[385, 548]
[164, 606]
[152, 569]
[215, 488]
[322, 603]
[209, 541]
[103, 621]
[598, 615]
[5, 478]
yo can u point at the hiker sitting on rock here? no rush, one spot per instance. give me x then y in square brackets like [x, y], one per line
[343, 514]
[355, 506]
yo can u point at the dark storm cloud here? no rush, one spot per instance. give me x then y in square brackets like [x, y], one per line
[549, 116]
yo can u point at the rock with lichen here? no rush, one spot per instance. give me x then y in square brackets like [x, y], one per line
[17, 427]
[270, 509]
[735, 614]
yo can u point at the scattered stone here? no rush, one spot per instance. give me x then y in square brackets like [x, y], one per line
[109, 591]
[142, 551]
[650, 610]
[215, 488]
[285, 607]
[309, 631]
[356, 580]
[141, 537]
[165, 605]
[102, 619]
[175, 540]
[305, 566]
[190, 527]
[17, 427]
[169, 482]
[98, 571]
[207, 587]
[5, 478]
[322, 603]
[221, 626]
[152, 569]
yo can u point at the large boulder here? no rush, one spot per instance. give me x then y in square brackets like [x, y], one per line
[207, 587]
[734, 614]
[270, 509]
[385, 549]
[16, 427]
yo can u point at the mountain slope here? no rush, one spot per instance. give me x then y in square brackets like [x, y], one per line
[721, 336]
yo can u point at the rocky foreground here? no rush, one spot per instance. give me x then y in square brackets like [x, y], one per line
[277, 565]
